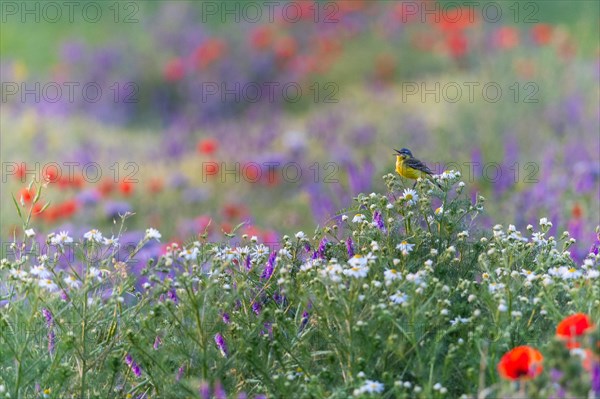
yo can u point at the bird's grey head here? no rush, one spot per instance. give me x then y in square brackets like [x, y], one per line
[405, 152]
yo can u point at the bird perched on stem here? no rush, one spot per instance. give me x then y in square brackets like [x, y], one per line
[411, 168]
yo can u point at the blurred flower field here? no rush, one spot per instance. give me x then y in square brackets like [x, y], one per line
[202, 142]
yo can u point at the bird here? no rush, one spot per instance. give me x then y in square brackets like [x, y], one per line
[410, 167]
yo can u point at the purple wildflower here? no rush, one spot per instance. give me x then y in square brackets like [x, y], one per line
[220, 341]
[267, 330]
[307, 246]
[157, 342]
[172, 294]
[322, 248]
[204, 390]
[135, 368]
[270, 266]
[49, 319]
[242, 395]
[248, 263]
[226, 318]
[219, 392]
[180, 372]
[278, 298]
[256, 308]
[596, 378]
[350, 247]
[378, 220]
[51, 341]
[304, 321]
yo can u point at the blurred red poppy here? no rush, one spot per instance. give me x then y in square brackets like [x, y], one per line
[285, 48]
[572, 327]
[541, 34]
[522, 362]
[506, 37]
[26, 195]
[126, 188]
[207, 146]
[261, 37]
[209, 52]
[174, 70]
[105, 187]
[457, 44]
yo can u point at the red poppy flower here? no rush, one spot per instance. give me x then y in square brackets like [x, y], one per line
[577, 212]
[27, 194]
[106, 187]
[261, 37]
[457, 44]
[285, 48]
[174, 70]
[456, 20]
[209, 52]
[234, 211]
[126, 188]
[522, 362]
[155, 185]
[574, 326]
[506, 37]
[67, 208]
[541, 34]
[21, 171]
[50, 174]
[208, 146]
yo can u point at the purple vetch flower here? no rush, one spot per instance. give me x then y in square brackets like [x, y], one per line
[204, 390]
[596, 378]
[304, 321]
[307, 246]
[256, 307]
[378, 220]
[242, 395]
[226, 318]
[180, 372]
[51, 341]
[278, 298]
[267, 330]
[350, 247]
[135, 368]
[322, 248]
[172, 294]
[48, 316]
[248, 264]
[269, 267]
[220, 341]
[157, 342]
[219, 392]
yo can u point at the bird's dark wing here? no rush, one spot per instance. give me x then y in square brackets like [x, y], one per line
[418, 165]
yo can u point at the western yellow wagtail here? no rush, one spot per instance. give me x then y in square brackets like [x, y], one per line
[411, 168]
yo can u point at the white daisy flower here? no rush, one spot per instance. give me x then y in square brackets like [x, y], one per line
[529, 275]
[48, 284]
[95, 273]
[29, 233]
[61, 238]
[260, 250]
[357, 271]
[72, 282]
[371, 387]
[40, 271]
[410, 196]
[189, 253]
[332, 271]
[300, 235]
[93, 235]
[18, 274]
[358, 261]
[391, 275]
[405, 247]
[111, 242]
[152, 233]
[399, 298]
[358, 218]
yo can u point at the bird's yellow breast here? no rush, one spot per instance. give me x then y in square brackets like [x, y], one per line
[405, 171]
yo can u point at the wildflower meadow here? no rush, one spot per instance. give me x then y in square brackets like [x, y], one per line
[206, 199]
